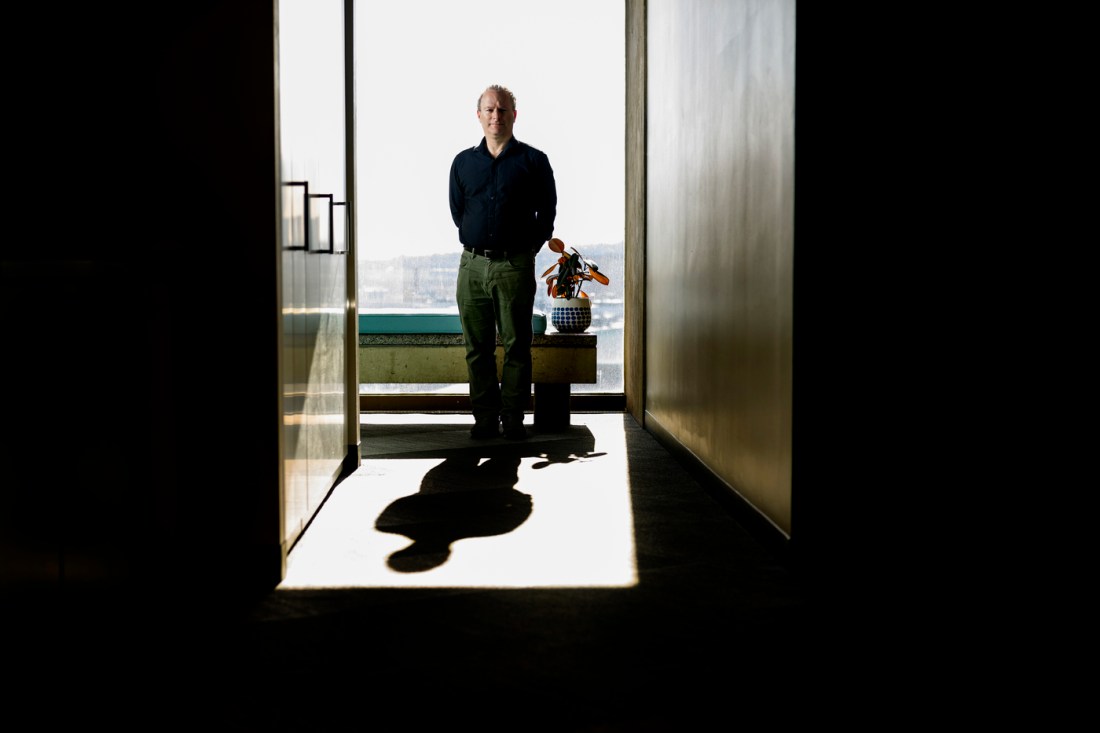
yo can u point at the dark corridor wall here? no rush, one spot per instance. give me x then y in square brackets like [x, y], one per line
[142, 410]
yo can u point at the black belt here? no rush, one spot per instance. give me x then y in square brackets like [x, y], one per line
[493, 254]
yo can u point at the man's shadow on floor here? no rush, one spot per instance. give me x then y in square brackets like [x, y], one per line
[472, 493]
[461, 497]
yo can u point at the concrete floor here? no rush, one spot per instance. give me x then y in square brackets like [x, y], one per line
[580, 580]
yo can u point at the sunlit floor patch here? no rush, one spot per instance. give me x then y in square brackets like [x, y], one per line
[459, 513]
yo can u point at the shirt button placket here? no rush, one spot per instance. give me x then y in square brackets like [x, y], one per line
[492, 201]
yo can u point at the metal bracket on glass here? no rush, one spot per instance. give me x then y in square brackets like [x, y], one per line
[340, 230]
[322, 218]
[295, 216]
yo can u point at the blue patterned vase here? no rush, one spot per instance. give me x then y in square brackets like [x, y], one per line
[571, 315]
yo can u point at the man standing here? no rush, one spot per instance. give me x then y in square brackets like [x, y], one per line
[503, 201]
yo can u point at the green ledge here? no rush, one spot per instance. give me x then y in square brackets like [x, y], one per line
[412, 320]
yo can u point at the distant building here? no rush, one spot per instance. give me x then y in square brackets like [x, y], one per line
[428, 281]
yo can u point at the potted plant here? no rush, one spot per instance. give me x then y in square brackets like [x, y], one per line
[571, 310]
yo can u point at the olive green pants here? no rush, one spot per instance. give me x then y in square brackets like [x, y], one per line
[497, 295]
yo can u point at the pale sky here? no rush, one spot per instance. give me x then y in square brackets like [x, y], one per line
[421, 65]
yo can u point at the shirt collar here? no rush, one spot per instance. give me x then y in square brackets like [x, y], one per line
[483, 147]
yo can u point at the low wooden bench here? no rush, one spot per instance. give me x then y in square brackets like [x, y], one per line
[427, 347]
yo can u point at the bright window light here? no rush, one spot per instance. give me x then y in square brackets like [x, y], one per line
[417, 85]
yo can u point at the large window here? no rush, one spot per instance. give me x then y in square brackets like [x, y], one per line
[419, 68]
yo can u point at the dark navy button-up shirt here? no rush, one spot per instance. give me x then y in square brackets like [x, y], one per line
[508, 202]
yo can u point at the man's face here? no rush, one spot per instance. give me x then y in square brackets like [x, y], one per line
[496, 116]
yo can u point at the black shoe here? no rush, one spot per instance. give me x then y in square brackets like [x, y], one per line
[484, 430]
[514, 430]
